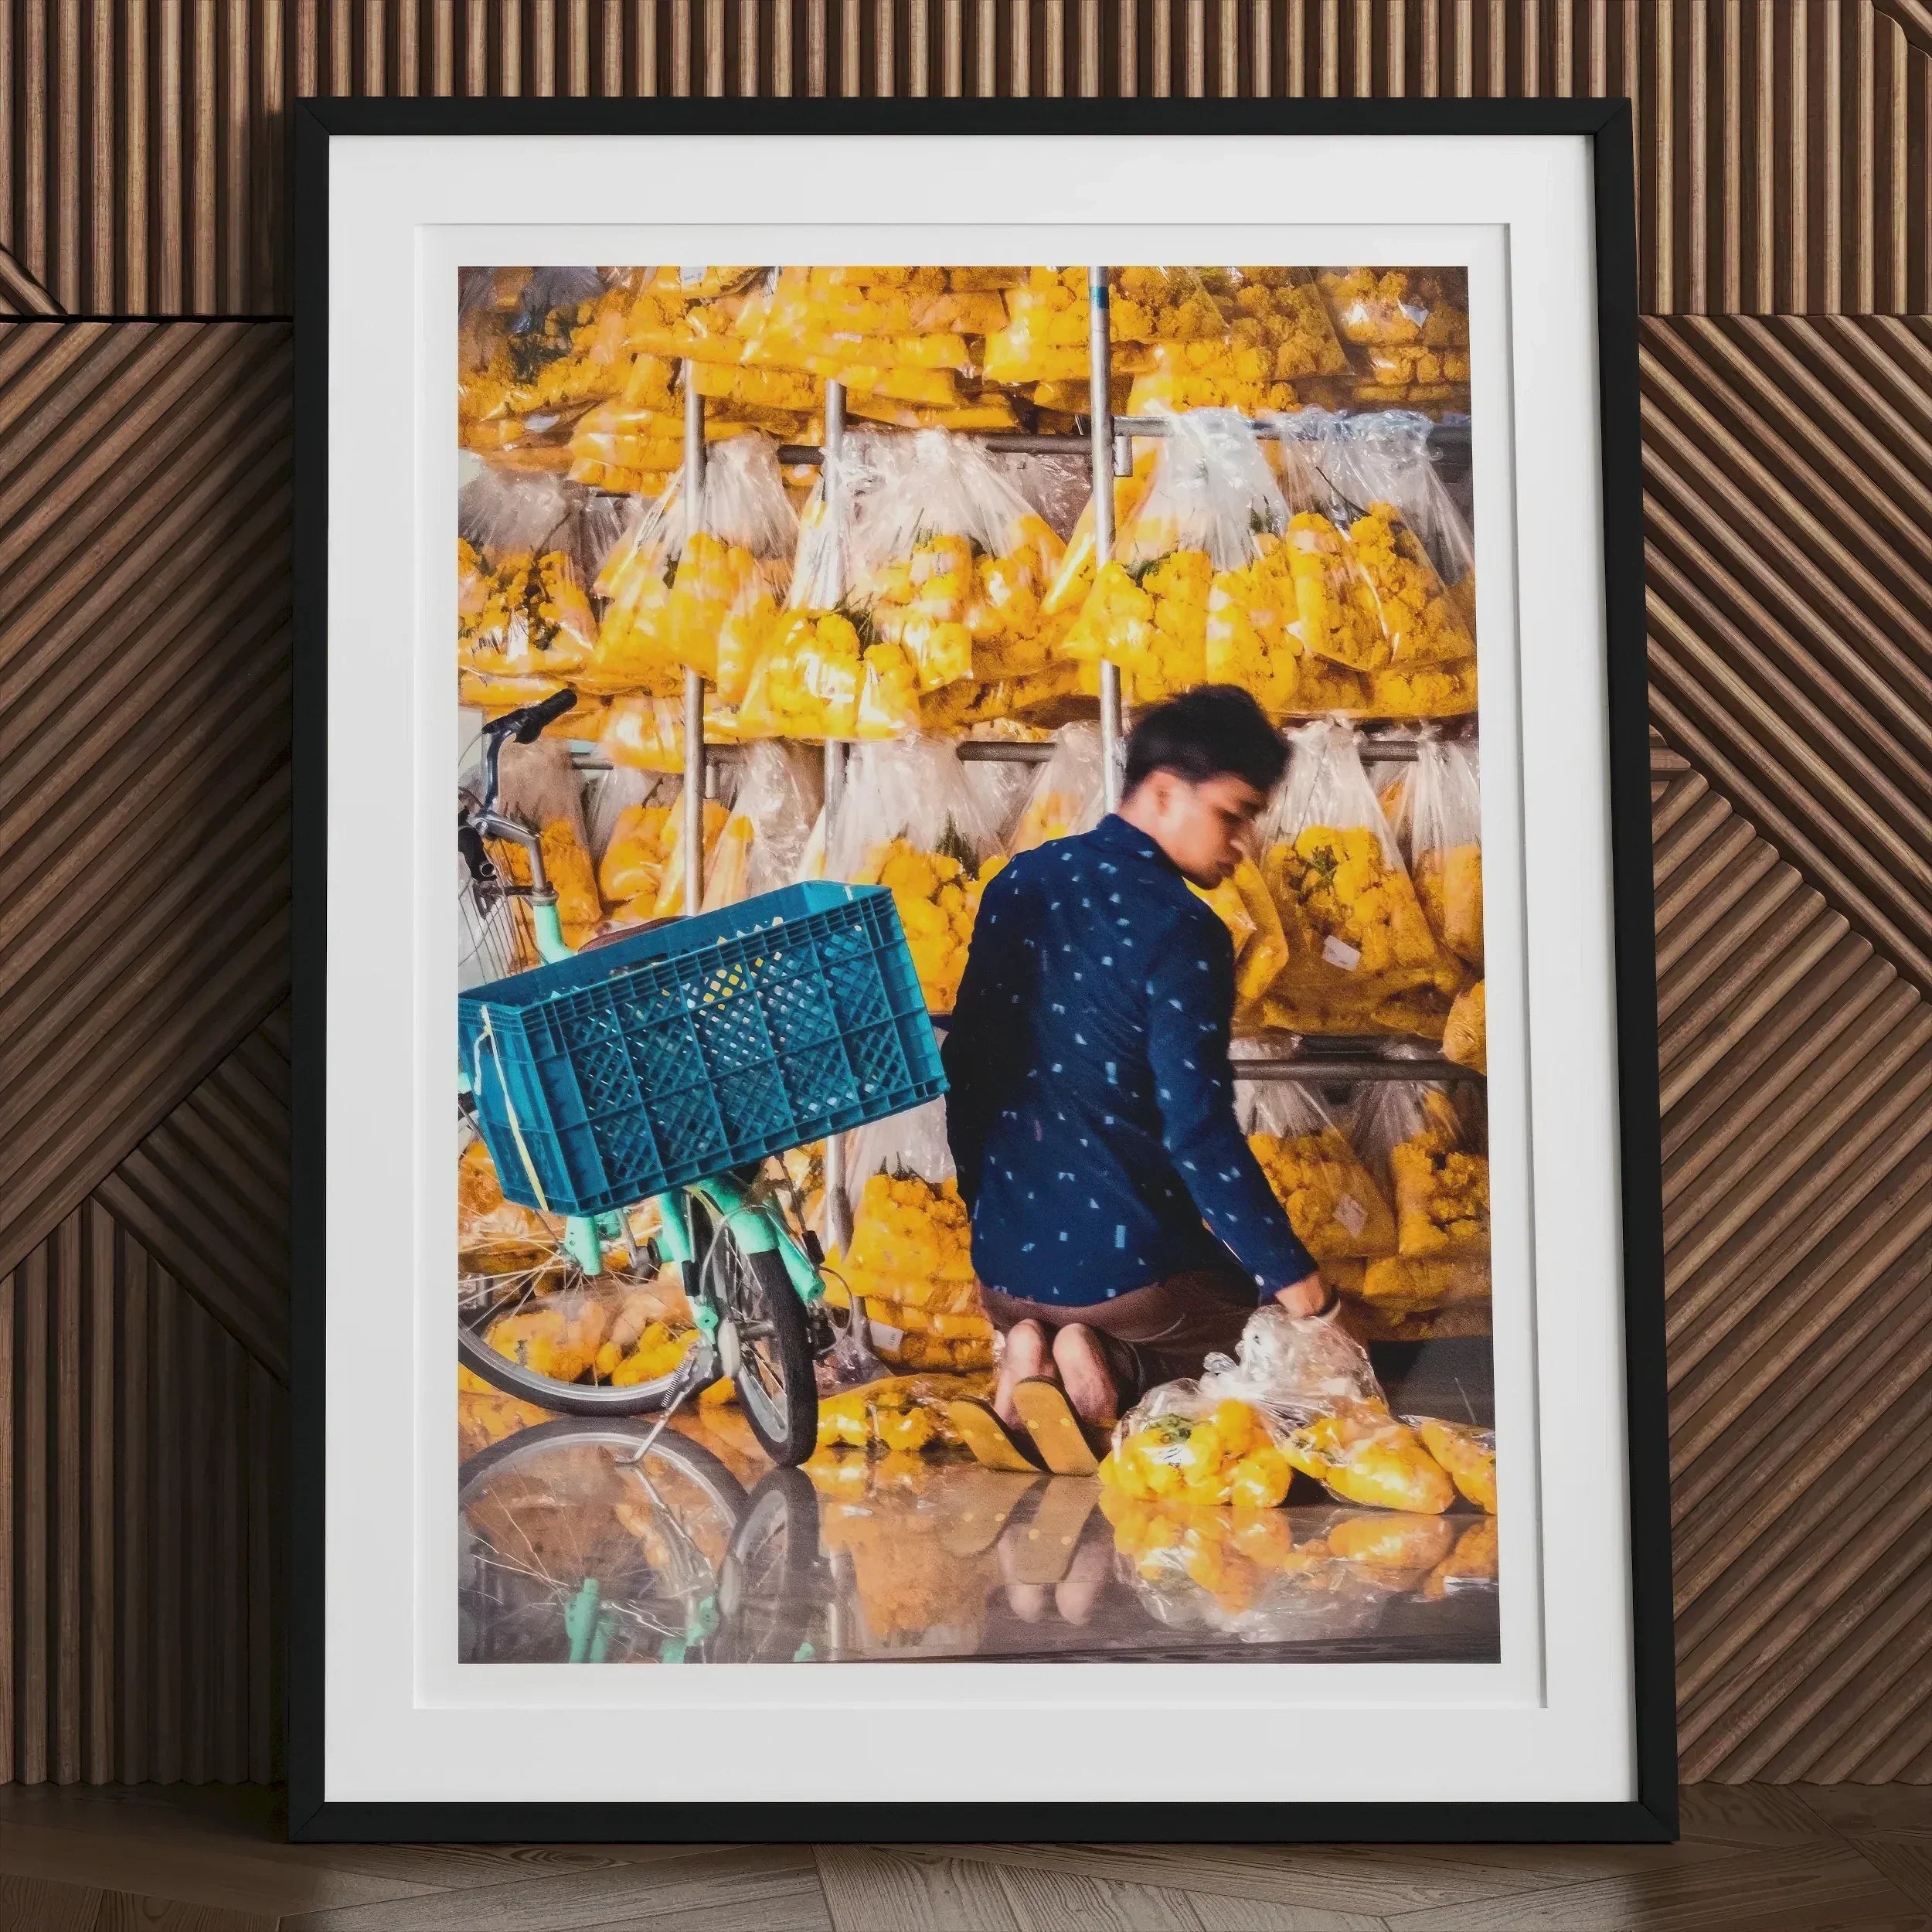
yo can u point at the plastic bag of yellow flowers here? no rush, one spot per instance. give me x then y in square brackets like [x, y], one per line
[1068, 793]
[1355, 930]
[1436, 1151]
[959, 563]
[776, 790]
[824, 671]
[539, 344]
[1197, 589]
[1045, 338]
[735, 569]
[1337, 1207]
[1183, 1442]
[902, 1415]
[913, 824]
[1408, 329]
[524, 623]
[538, 787]
[631, 652]
[1442, 835]
[909, 1263]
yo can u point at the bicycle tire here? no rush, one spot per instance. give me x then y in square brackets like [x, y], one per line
[698, 1462]
[758, 1286]
[563, 1398]
[784, 1504]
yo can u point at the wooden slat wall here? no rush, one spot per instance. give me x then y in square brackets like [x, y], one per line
[1781, 143]
[144, 536]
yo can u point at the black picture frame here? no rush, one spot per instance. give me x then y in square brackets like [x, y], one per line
[1652, 1816]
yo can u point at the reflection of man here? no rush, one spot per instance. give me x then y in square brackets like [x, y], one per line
[1122, 1227]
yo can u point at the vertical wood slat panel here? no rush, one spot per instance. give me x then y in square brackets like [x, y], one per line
[1781, 143]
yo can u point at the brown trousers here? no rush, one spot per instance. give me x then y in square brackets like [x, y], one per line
[1152, 1335]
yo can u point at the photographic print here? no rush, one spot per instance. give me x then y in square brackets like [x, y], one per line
[1027, 1090]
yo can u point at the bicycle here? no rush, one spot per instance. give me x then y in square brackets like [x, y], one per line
[793, 966]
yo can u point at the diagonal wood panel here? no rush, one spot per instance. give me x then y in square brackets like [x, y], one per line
[1781, 143]
[1796, 1072]
[144, 733]
[1787, 469]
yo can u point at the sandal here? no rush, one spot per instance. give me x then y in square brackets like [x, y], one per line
[1070, 1445]
[993, 1444]
[1039, 1551]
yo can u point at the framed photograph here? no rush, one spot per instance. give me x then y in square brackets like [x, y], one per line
[925, 1228]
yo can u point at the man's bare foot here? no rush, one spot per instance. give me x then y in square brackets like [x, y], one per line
[1085, 1373]
[1025, 1354]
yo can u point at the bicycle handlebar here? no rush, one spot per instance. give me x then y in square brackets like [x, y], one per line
[524, 725]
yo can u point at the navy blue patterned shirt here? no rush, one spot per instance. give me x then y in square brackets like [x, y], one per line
[1091, 1109]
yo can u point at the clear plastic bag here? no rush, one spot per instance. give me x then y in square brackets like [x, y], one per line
[1069, 793]
[824, 672]
[560, 346]
[739, 560]
[523, 612]
[910, 1263]
[1185, 1442]
[1361, 1453]
[1354, 928]
[647, 733]
[1399, 514]
[762, 842]
[1045, 337]
[1468, 1454]
[1337, 618]
[538, 786]
[1445, 846]
[633, 649]
[1211, 519]
[629, 827]
[1408, 329]
[913, 824]
[1465, 1034]
[1338, 1210]
[1434, 1153]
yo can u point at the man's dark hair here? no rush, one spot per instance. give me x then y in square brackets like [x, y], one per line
[1214, 731]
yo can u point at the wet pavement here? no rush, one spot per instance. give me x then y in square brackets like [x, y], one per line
[572, 1550]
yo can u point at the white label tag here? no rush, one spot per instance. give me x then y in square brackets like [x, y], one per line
[689, 277]
[884, 1337]
[1351, 1214]
[1338, 952]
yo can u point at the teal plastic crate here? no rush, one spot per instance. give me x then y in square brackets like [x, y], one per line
[705, 1044]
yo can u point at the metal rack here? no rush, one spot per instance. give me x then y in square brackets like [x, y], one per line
[1106, 441]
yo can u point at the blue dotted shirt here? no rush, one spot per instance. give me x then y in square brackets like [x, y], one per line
[1091, 1109]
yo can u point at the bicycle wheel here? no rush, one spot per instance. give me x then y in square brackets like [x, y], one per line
[573, 1554]
[773, 1583]
[764, 1344]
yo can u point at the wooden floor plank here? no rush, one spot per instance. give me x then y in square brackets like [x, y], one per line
[1050, 1901]
[747, 1889]
[1905, 1858]
[879, 1888]
[47, 1905]
[1218, 1912]
[1857, 1808]
[245, 1879]
[122, 1912]
[1807, 1888]
[1748, 1814]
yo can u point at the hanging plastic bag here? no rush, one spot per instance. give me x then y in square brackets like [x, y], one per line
[647, 733]
[825, 671]
[762, 842]
[1211, 515]
[1046, 332]
[1408, 327]
[1336, 615]
[632, 651]
[1336, 1207]
[670, 901]
[739, 560]
[1379, 466]
[1465, 1034]
[538, 786]
[519, 581]
[1444, 846]
[1437, 1166]
[630, 824]
[911, 823]
[1354, 928]
[910, 1263]
[1069, 792]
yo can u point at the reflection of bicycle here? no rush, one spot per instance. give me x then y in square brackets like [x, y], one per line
[578, 1548]
[664, 1064]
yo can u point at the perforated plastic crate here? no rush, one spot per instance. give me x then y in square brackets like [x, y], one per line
[701, 1046]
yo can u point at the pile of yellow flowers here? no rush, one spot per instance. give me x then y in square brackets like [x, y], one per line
[1442, 1193]
[1474, 1560]
[1330, 1197]
[1411, 327]
[1242, 902]
[1151, 621]
[576, 354]
[1465, 1034]
[1045, 336]
[1250, 638]
[527, 615]
[657, 1352]
[1422, 624]
[817, 679]
[904, 1415]
[938, 896]
[1362, 1454]
[1344, 903]
[632, 650]
[647, 733]
[636, 1338]
[559, 1341]
[1225, 1456]
[712, 575]
[641, 874]
[566, 864]
[1334, 605]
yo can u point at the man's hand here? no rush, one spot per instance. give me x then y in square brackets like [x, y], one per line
[1312, 1295]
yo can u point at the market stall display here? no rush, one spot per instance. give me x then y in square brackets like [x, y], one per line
[1408, 329]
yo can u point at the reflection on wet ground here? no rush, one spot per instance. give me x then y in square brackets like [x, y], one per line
[572, 1550]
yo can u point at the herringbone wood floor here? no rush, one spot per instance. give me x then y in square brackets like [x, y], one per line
[1753, 1858]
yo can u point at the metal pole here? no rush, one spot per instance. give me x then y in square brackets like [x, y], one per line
[694, 771]
[1100, 407]
[838, 1231]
